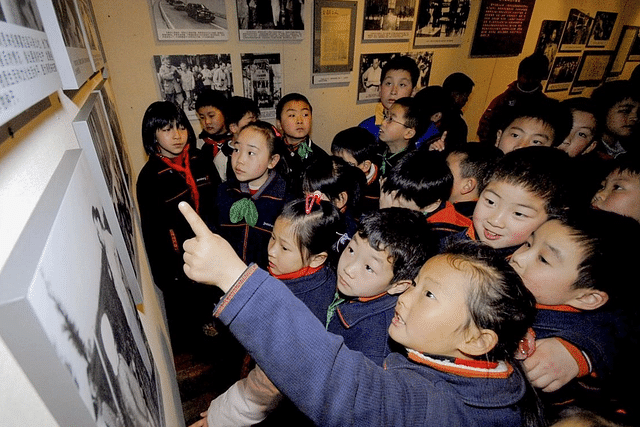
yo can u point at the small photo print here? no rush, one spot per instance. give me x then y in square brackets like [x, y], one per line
[576, 31]
[602, 29]
[270, 19]
[549, 39]
[386, 20]
[441, 23]
[184, 20]
[262, 81]
[562, 73]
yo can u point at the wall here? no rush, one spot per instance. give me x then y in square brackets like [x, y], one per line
[29, 158]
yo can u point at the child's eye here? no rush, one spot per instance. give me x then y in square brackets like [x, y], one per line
[514, 135]
[520, 215]
[489, 201]
[543, 260]
[617, 187]
[430, 294]
[368, 268]
[537, 142]
[582, 135]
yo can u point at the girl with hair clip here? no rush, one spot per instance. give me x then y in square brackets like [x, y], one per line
[302, 255]
[175, 172]
[339, 183]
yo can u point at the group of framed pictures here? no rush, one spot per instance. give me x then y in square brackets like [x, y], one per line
[577, 54]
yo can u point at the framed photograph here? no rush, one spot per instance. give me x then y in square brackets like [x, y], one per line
[90, 33]
[262, 81]
[63, 26]
[591, 71]
[549, 39]
[39, 74]
[626, 41]
[66, 313]
[563, 72]
[576, 31]
[334, 26]
[602, 28]
[270, 20]
[386, 21]
[182, 77]
[183, 20]
[441, 23]
[92, 129]
[634, 53]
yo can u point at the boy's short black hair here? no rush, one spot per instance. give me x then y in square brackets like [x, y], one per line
[535, 67]
[421, 176]
[238, 107]
[546, 110]
[626, 163]
[406, 237]
[413, 116]
[432, 100]
[477, 161]
[212, 98]
[288, 98]
[545, 171]
[609, 94]
[404, 63]
[358, 142]
[458, 82]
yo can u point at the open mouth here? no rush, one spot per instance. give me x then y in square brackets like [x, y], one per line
[491, 236]
[397, 320]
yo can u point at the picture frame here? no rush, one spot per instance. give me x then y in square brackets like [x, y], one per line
[576, 31]
[562, 73]
[549, 39]
[91, 126]
[438, 25]
[334, 26]
[175, 20]
[602, 29]
[386, 21]
[66, 314]
[91, 34]
[263, 20]
[38, 71]
[634, 52]
[628, 36]
[262, 81]
[591, 71]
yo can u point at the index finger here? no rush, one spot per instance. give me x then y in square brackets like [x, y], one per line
[197, 224]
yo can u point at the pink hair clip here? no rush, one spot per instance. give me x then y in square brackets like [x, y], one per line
[275, 130]
[312, 198]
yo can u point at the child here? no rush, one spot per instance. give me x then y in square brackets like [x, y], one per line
[583, 137]
[458, 87]
[527, 187]
[460, 320]
[293, 116]
[434, 104]
[339, 183]
[359, 148]
[211, 109]
[620, 191]
[542, 123]
[471, 165]
[422, 181]
[392, 243]
[241, 112]
[617, 103]
[399, 79]
[526, 89]
[249, 204]
[175, 172]
[581, 326]
[399, 130]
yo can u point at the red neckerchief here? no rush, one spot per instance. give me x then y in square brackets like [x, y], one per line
[564, 308]
[181, 165]
[304, 271]
[216, 141]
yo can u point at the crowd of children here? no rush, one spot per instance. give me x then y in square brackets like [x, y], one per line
[410, 276]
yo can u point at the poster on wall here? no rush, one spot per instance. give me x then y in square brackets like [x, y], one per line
[549, 39]
[591, 71]
[602, 28]
[28, 72]
[182, 77]
[73, 326]
[90, 34]
[388, 20]
[262, 81]
[270, 19]
[576, 31]
[63, 26]
[634, 51]
[183, 20]
[563, 72]
[441, 23]
[625, 43]
[501, 28]
[92, 129]
[370, 72]
[334, 31]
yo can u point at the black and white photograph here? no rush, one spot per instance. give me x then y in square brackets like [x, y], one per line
[262, 81]
[63, 26]
[602, 29]
[271, 19]
[184, 20]
[91, 34]
[441, 23]
[386, 20]
[549, 39]
[576, 31]
[78, 319]
[627, 38]
[38, 77]
[562, 73]
[591, 71]
[182, 77]
[95, 137]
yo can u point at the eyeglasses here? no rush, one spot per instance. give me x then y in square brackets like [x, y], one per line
[389, 119]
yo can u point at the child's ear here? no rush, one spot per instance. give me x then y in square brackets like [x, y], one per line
[589, 300]
[432, 207]
[317, 260]
[233, 128]
[365, 166]
[498, 136]
[470, 184]
[341, 200]
[399, 287]
[590, 147]
[409, 133]
[274, 161]
[436, 117]
[478, 341]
